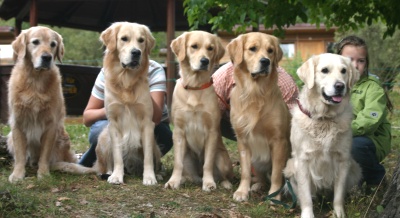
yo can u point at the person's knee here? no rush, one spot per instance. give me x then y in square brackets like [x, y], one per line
[95, 130]
[359, 150]
[163, 136]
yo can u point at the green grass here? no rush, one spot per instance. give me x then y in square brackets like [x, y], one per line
[79, 135]
[65, 195]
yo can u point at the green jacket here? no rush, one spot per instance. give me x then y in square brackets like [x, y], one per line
[370, 112]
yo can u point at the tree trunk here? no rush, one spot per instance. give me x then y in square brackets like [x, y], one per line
[391, 199]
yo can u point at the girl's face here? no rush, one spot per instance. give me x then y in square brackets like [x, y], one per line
[358, 56]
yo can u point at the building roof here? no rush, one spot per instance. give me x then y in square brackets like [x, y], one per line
[96, 15]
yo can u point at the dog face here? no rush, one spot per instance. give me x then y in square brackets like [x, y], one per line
[331, 75]
[201, 50]
[39, 44]
[259, 53]
[132, 41]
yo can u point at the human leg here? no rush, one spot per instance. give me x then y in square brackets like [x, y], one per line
[227, 130]
[363, 151]
[89, 157]
[163, 135]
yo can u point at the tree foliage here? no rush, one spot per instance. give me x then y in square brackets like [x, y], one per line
[82, 47]
[237, 15]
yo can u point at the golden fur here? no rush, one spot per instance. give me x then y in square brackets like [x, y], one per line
[128, 140]
[259, 116]
[36, 103]
[321, 142]
[198, 147]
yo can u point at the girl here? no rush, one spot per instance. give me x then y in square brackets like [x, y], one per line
[371, 129]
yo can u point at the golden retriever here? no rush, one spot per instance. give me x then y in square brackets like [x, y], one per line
[259, 116]
[321, 132]
[36, 103]
[128, 142]
[198, 146]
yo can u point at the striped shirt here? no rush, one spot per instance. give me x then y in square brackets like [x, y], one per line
[157, 82]
[224, 82]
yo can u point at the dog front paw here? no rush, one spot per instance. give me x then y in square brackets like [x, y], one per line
[115, 179]
[43, 171]
[149, 180]
[256, 187]
[240, 196]
[226, 184]
[307, 213]
[15, 177]
[339, 211]
[171, 184]
[209, 185]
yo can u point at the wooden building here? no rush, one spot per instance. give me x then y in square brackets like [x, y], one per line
[302, 39]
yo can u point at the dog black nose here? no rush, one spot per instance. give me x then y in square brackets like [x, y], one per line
[339, 86]
[46, 57]
[136, 53]
[204, 61]
[265, 62]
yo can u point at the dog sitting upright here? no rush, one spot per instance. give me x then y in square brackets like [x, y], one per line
[321, 133]
[127, 144]
[36, 103]
[198, 147]
[259, 116]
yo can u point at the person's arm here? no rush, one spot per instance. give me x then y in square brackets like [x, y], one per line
[94, 111]
[157, 98]
[370, 117]
[288, 87]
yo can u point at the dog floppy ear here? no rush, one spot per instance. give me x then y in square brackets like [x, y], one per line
[354, 74]
[150, 41]
[306, 72]
[19, 46]
[235, 49]
[278, 52]
[60, 47]
[109, 36]
[220, 50]
[178, 46]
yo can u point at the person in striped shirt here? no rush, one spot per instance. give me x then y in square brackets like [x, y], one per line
[94, 115]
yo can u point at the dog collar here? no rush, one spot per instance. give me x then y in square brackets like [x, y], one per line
[204, 86]
[306, 112]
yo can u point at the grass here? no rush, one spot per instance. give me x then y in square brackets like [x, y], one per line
[65, 195]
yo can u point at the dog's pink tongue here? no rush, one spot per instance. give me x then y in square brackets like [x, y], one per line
[337, 98]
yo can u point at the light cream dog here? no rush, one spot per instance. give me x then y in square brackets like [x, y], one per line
[321, 132]
[36, 103]
[259, 116]
[128, 140]
[198, 147]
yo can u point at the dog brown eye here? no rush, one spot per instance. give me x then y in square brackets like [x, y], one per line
[194, 46]
[210, 48]
[53, 44]
[254, 48]
[140, 40]
[343, 71]
[35, 42]
[270, 50]
[124, 38]
[325, 70]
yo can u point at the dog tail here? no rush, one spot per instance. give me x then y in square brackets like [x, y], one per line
[73, 168]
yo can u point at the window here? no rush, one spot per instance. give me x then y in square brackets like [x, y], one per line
[288, 50]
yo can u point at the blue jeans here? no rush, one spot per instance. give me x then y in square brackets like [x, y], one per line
[162, 132]
[364, 153]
